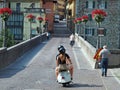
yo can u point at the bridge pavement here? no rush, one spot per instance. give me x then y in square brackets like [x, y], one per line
[35, 70]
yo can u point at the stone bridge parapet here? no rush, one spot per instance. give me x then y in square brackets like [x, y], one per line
[9, 55]
[89, 51]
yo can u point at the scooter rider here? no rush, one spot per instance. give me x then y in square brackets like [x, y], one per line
[63, 61]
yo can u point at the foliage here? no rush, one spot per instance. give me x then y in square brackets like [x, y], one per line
[9, 38]
[84, 18]
[40, 19]
[98, 15]
[79, 20]
[75, 21]
[30, 17]
[46, 19]
[5, 13]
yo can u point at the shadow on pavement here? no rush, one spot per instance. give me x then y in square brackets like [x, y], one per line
[77, 85]
[20, 63]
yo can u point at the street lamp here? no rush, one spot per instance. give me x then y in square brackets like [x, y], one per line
[98, 15]
[46, 24]
[5, 13]
[30, 19]
[84, 20]
[101, 33]
[119, 30]
[40, 19]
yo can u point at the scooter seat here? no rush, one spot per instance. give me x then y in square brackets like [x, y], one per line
[63, 70]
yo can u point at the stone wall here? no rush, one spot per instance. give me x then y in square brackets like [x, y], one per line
[89, 51]
[111, 23]
[9, 55]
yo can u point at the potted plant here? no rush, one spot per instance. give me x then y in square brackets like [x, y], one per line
[30, 18]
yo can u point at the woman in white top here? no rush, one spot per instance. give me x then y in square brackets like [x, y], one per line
[72, 39]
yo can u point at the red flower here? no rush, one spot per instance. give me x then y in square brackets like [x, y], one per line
[40, 19]
[46, 19]
[84, 18]
[5, 10]
[75, 21]
[98, 15]
[5, 13]
[79, 20]
[30, 17]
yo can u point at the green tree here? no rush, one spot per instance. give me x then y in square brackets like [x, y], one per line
[9, 38]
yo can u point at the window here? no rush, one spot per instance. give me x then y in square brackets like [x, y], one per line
[86, 4]
[69, 12]
[93, 4]
[15, 24]
[90, 17]
[103, 4]
[90, 4]
[89, 31]
[34, 32]
[17, 34]
[32, 5]
[18, 7]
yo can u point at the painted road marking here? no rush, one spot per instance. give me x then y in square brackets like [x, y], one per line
[115, 77]
[76, 59]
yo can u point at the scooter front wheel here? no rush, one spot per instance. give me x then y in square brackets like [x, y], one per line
[64, 84]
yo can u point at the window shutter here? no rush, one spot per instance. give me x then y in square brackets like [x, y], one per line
[93, 4]
[86, 4]
[105, 4]
[93, 30]
[105, 32]
[69, 12]
[86, 30]
[90, 17]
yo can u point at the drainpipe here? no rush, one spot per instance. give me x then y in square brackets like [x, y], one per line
[98, 37]
[119, 27]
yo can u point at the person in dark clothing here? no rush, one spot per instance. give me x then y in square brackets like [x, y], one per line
[63, 61]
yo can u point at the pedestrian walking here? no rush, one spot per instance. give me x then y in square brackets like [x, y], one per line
[48, 35]
[97, 58]
[72, 39]
[104, 54]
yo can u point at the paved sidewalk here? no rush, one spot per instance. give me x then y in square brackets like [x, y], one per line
[111, 82]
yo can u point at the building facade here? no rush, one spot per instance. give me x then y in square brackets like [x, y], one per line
[70, 15]
[54, 8]
[18, 24]
[111, 24]
[21, 9]
[49, 7]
